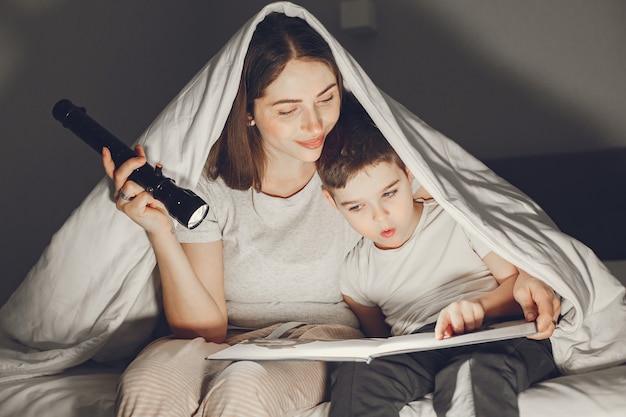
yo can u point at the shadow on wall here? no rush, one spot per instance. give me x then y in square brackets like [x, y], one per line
[478, 99]
[583, 193]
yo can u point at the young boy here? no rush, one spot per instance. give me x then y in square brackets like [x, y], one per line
[416, 268]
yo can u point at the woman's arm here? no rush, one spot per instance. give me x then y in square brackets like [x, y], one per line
[191, 277]
[371, 319]
[193, 287]
[500, 302]
[533, 297]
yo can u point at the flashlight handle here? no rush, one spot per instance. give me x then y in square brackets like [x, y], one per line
[181, 203]
[91, 132]
[97, 137]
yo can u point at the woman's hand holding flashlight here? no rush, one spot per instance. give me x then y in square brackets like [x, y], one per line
[131, 198]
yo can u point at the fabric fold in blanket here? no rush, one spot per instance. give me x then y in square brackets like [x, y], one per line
[97, 298]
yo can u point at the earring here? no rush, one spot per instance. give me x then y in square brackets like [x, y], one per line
[250, 121]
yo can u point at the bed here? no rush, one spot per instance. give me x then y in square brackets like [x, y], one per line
[89, 389]
[55, 362]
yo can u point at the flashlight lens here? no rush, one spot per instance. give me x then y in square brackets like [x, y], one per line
[197, 216]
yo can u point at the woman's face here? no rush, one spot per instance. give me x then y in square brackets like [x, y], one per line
[297, 111]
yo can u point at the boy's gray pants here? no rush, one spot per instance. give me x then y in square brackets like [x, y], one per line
[481, 380]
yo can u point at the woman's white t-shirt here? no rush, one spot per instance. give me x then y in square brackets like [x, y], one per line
[282, 256]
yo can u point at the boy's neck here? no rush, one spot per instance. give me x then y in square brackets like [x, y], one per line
[418, 208]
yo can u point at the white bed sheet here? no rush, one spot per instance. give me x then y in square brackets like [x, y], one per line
[89, 391]
[84, 391]
[594, 394]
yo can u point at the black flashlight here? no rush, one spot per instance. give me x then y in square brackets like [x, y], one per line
[182, 204]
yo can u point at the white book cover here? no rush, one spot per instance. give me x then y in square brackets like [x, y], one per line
[365, 350]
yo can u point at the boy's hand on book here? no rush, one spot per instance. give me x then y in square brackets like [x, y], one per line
[459, 317]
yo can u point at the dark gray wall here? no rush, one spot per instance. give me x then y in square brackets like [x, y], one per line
[502, 77]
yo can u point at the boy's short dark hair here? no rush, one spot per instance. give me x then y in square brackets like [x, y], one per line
[355, 144]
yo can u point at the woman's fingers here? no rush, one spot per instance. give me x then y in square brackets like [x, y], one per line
[145, 210]
[123, 187]
[131, 198]
[120, 174]
[127, 192]
[539, 303]
[548, 320]
[107, 161]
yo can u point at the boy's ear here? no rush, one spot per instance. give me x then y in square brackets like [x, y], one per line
[330, 199]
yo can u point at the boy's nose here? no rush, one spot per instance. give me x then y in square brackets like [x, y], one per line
[380, 213]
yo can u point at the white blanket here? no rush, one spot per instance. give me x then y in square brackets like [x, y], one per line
[94, 291]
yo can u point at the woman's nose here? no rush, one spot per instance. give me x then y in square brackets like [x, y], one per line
[312, 122]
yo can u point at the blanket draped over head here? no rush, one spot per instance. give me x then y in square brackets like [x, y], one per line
[94, 292]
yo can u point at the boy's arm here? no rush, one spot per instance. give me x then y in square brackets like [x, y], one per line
[371, 319]
[468, 315]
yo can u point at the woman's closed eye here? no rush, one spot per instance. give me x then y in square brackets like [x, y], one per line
[286, 112]
[327, 99]
[283, 113]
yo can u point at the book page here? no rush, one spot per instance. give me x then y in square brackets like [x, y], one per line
[426, 341]
[365, 349]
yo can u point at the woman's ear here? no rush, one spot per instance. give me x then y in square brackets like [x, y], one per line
[330, 198]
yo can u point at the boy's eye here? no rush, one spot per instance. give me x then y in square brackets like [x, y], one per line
[356, 208]
[390, 193]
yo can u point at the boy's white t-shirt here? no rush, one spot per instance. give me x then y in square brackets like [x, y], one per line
[439, 264]
[282, 256]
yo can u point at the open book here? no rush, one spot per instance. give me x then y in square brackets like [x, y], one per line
[365, 350]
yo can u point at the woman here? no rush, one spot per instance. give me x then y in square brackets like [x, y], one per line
[269, 251]
[270, 245]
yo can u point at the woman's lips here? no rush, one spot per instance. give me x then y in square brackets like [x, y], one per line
[312, 143]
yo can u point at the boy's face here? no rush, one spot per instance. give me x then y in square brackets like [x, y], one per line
[378, 204]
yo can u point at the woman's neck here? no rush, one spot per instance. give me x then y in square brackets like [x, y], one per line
[285, 181]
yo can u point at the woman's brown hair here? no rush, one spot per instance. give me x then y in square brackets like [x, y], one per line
[238, 156]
